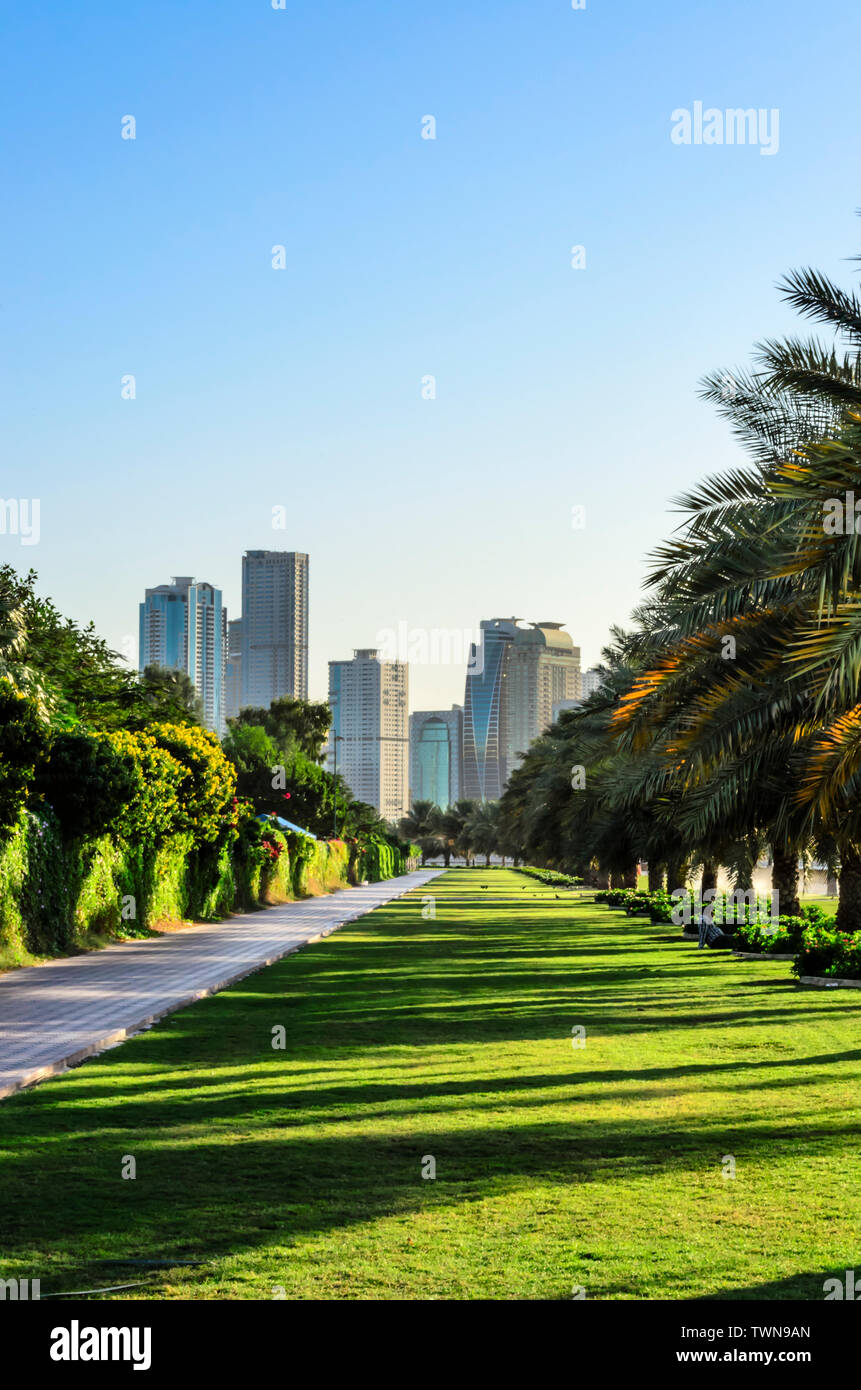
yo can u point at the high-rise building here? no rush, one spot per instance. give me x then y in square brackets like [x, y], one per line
[511, 688]
[233, 673]
[369, 700]
[436, 756]
[592, 681]
[543, 668]
[485, 721]
[274, 635]
[183, 625]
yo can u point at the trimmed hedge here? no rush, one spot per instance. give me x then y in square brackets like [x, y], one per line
[550, 877]
[57, 896]
[111, 833]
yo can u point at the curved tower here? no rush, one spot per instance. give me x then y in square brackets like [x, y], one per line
[485, 714]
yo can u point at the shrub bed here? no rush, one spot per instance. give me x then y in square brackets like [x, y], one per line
[829, 953]
[551, 878]
[725, 910]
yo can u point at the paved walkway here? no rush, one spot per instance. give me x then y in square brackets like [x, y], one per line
[54, 1015]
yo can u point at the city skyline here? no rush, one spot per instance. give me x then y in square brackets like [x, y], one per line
[302, 388]
[236, 691]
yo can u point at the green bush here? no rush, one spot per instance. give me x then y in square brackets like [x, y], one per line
[830, 953]
[23, 744]
[86, 783]
[378, 859]
[781, 938]
[550, 877]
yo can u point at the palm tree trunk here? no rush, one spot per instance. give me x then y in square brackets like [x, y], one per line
[710, 877]
[656, 876]
[629, 878]
[677, 873]
[784, 880]
[849, 906]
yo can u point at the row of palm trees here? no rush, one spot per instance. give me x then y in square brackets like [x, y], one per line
[464, 829]
[729, 720]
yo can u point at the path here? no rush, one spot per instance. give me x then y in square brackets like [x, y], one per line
[54, 1015]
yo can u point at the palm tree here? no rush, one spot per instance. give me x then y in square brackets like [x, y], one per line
[730, 717]
[447, 824]
[417, 825]
[482, 829]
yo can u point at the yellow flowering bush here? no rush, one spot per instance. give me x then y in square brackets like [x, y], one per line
[153, 811]
[208, 784]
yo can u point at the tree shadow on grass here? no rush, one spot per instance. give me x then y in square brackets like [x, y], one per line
[256, 1155]
[204, 1199]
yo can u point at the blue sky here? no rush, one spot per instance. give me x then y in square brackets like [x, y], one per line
[259, 388]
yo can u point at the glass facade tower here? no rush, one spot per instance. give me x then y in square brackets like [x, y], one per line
[183, 626]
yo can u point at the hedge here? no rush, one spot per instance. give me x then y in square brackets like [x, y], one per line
[111, 833]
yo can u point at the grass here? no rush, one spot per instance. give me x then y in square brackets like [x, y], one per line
[301, 1169]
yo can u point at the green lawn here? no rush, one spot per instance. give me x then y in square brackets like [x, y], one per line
[556, 1167]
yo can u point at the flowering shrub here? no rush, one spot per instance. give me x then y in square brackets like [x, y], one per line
[661, 906]
[782, 938]
[825, 951]
[153, 810]
[638, 904]
[208, 783]
[817, 916]
[617, 897]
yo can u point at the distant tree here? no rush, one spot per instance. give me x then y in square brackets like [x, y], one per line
[442, 826]
[418, 826]
[362, 820]
[482, 828]
[248, 746]
[293, 725]
[165, 685]
[69, 671]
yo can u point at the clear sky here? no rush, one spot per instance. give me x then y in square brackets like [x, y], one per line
[258, 388]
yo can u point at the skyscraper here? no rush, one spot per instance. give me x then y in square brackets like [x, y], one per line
[543, 668]
[183, 625]
[436, 756]
[592, 681]
[509, 698]
[233, 672]
[369, 699]
[485, 715]
[274, 636]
